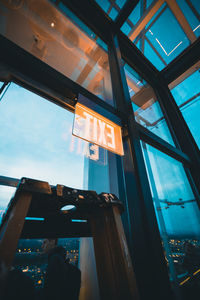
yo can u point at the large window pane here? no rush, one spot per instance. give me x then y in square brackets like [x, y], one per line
[186, 93]
[37, 142]
[60, 39]
[146, 108]
[177, 214]
[162, 29]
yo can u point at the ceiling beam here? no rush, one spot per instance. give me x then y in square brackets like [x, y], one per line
[125, 12]
[195, 12]
[182, 63]
[135, 59]
[185, 75]
[150, 12]
[181, 19]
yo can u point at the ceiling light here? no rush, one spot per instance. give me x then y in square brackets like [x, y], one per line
[68, 207]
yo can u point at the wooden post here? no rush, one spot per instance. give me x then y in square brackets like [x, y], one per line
[114, 266]
[11, 230]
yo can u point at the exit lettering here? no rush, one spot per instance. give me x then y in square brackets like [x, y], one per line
[98, 131]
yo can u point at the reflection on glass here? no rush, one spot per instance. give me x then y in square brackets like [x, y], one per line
[186, 92]
[112, 8]
[6, 193]
[37, 142]
[177, 214]
[31, 256]
[60, 40]
[145, 105]
[162, 29]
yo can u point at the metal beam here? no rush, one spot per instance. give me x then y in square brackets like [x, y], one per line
[92, 15]
[182, 63]
[22, 67]
[156, 51]
[180, 130]
[150, 12]
[195, 12]
[155, 141]
[142, 96]
[185, 75]
[182, 20]
[8, 181]
[147, 252]
[125, 12]
[133, 56]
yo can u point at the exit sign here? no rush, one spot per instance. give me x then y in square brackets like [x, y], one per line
[94, 128]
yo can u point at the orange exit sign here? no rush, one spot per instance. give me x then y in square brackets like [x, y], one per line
[94, 128]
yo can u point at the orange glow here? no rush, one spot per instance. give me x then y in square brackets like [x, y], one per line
[184, 281]
[94, 128]
[196, 272]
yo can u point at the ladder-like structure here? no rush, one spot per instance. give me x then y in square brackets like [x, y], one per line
[102, 215]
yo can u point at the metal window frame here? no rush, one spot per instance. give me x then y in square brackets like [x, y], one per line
[141, 227]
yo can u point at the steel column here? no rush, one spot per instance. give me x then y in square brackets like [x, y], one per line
[181, 131]
[146, 248]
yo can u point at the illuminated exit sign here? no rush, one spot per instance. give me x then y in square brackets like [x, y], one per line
[94, 128]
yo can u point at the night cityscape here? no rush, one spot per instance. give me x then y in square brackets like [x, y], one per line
[31, 259]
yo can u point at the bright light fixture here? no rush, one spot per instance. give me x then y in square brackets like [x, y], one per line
[68, 207]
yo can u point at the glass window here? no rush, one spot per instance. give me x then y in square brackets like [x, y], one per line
[37, 142]
[190, 16]
[135, 16]
[177, 214]
[112, 8]
[120, 3]
[186, 92]
[152, 24]
[31, 257]
[60, 39]
[6, 193]
[145, 105]
[149, 52]
[168, 45]
[195, 4]
[113, 13]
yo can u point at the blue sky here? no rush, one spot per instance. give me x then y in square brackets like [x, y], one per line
[36, 141]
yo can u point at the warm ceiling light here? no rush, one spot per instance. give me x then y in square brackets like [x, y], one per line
[52, 24]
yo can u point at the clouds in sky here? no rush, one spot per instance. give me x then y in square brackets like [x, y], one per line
[35, 140]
